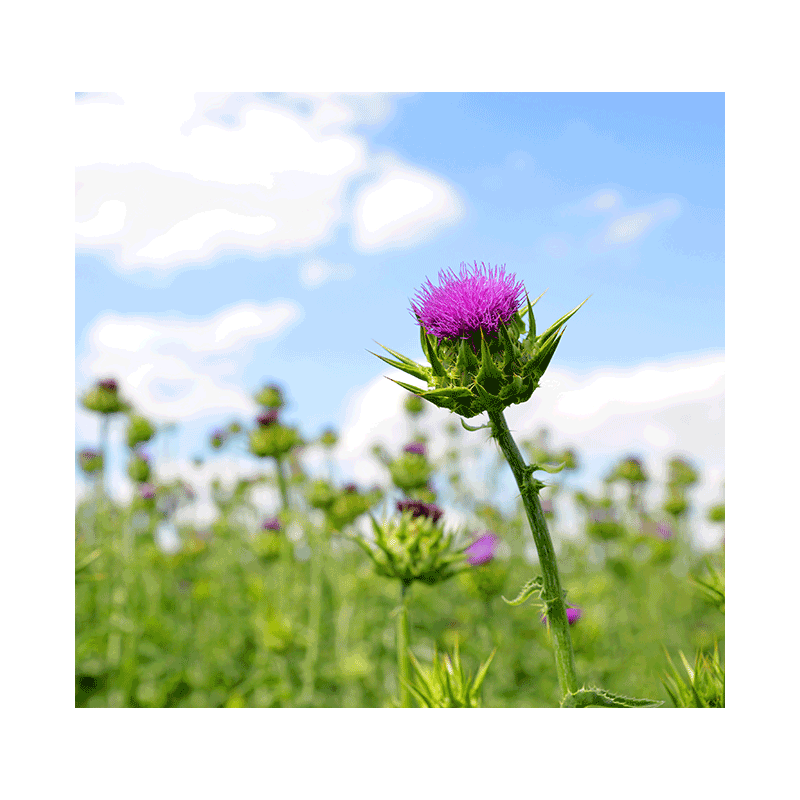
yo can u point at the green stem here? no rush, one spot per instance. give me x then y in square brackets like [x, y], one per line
[284, 490]
[403, 642]
[314, 619]
[552, 595]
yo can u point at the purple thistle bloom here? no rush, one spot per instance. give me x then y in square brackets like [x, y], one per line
[481, 551]
[420, 509]
[476, 299]
[147, 491]
[109, 384]
[573, 615]
[267, 418]
[350, 488]
[416, 448]
[273, 524]
[664, 530]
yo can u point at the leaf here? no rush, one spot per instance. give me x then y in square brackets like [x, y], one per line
[592, 696]
[559, 322]
[533, 585]
[415, 371]
[552, 469]
[470, 428]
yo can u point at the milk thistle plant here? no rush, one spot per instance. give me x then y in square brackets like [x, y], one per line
[483, 356]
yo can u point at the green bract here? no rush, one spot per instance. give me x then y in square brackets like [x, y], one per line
[483, 373]
[413, 549]
[273, 440]
[410, 471]
[139, 430]
[445, 685]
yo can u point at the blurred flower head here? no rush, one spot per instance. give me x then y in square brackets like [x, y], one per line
[418, 508]
[267, 418]
[482, 550]
[415, 448]
[272, 524]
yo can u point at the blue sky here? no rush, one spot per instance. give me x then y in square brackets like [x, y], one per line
[226, 240]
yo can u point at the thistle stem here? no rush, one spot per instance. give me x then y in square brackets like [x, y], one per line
[552, 595]
[282, 484]
[314, 618]
[403, 640]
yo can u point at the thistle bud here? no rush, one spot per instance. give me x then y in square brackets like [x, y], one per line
[273, 440]
[413, 405]
[349, 504]
[413, 548]
[139, 467]
[90, 461]
[139, 431]
[270, 396]
[218, 438]
[412, 469]
[470, 329]
[104, 398]
[328, 438]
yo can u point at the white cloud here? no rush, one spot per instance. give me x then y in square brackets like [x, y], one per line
[110, 218]
[404, 206]
[164, 181]
[176, 369]
[190, 235]
[629, 227]
[317, 271]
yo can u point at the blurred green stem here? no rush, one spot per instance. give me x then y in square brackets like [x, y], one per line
[316, 542]
[552, 596]
[284, 490]
[402, 647]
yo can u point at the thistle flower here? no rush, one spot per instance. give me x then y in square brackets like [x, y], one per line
[418, 508]
[482, 550]
[664, 530]
[573, 615]
[104, 398]
[218, 438]
[411, 471]
[90, 460]
[470, 329]
[417, 448]
[267, 418]
[147, 491]
[472, 301]
[273, 524]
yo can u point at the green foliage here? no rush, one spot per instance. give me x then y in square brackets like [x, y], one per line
[705, 687]
[445, 685]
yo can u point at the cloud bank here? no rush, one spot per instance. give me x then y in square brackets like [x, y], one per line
[166, 181]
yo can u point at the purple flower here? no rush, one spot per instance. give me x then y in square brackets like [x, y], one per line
[147, 491]
[476, 299]
[573, 615]
[416, 448]
[350, 488]
[267, 418]
[664, 530]
[273, 524]
[109, 384]
[420, 509]
[481, 551]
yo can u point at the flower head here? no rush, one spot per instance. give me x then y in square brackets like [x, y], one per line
[416, 448]
[482, 550]
[267, 418]
[470, 329]
[475, 299]
[273, 524]
[420, 509]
